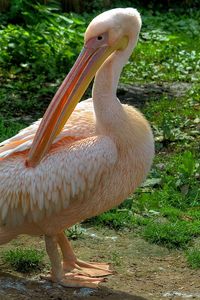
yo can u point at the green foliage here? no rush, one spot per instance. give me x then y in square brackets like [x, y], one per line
[8, 128]
[194, 213]
[24, 260]
[165, 51]
[35, 57]
[26, 12]
[75, 232]
[193, 258]
[47, 48]
[171, 213]
[171, 235]
[180, 185]
[116, 219]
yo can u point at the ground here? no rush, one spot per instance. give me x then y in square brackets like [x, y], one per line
[143, 270]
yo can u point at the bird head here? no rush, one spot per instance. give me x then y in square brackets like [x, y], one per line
[114, 28]
[109, 32]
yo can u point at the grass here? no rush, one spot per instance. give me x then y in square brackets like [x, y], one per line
[165, 209]
[193, 258]
[115, 219]
[165, 52]
[172, 235]
[75, 232]
[24, 260]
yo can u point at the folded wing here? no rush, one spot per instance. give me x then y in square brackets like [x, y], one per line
[68, 173]
[79, 125]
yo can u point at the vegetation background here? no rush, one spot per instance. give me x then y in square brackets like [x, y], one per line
[39, 41]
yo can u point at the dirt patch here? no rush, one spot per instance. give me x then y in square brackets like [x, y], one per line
[138, 95]
[18, 288]
[143, 271]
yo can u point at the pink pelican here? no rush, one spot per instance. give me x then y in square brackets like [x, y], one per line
[69, 167]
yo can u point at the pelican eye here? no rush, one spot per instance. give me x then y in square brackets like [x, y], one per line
[100, 37]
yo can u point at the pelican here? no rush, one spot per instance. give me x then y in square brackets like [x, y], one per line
[69, 167]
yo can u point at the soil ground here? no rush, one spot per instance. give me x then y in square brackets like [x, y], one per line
[143, 271]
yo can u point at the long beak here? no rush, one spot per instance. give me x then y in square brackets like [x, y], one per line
[67, 97]
[65, 100]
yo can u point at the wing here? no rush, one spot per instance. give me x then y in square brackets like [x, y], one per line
[80, 124]
[68, 173]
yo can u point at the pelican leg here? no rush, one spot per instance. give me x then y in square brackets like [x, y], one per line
[77, 272]
[56, 265]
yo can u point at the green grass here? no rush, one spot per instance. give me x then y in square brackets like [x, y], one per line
[169, 49]
[36, 55]
[24, 260]
[9, 127]
[193, 258]
[115, 219]
[75, 232]
[172, 235]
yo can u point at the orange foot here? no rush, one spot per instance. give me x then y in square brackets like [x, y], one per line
[84, 274]
[76, 280]
[73, 272]
[92, 269]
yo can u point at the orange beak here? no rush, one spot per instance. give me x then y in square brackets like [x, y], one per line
[68, 95]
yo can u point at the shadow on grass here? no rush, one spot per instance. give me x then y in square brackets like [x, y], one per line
[16, 287]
